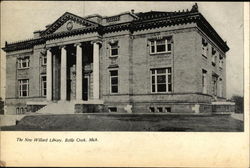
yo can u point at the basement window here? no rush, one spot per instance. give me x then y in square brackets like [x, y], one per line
[160, 109]
[152, 109]
[17, 111]
[112, 109]
[21, 110]
[168, 109]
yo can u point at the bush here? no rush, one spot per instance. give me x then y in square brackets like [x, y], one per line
[239, 103]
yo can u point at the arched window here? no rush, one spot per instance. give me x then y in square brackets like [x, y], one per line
[21, 111]
[17, 110]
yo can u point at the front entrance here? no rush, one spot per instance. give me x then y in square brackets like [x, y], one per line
[85, 88]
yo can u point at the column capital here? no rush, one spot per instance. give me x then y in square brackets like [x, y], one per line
[97, 41]
[62, 46]
[48, 48]
[77, 44]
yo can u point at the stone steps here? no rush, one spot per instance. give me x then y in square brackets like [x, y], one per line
[61, 107]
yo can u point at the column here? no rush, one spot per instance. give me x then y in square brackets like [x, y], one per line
[95, 70]
[78, 72]
[49, 75]
[63, 73]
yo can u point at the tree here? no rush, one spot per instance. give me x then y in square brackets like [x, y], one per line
[239, 103]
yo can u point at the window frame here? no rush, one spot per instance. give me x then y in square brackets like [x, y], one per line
[113, 46]
[204, 81]
[204, 51]
[167, 40]
[167, 83]
[160, 109]
[20, 62]
[152, 109]
[110, 81]
[43, 86]
[17, 111]
[220, 87]
[215, 85]
[168, 109]
[43, 60]
[221, 61]
[112, 109]
[214, 60]
[204, 48]
[20, 87]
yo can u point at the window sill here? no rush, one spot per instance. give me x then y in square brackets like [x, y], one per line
[23, 97]
[114, 93]
[161, 93]
[165, 52]
[113, 56]
[23, 68]
[113, 66]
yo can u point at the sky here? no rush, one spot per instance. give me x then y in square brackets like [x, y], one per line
[19, 19]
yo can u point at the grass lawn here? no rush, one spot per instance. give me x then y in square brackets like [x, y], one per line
[127, 122]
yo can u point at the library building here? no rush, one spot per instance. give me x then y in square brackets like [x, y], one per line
[132, 62]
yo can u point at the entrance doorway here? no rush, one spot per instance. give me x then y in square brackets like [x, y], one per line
[85, 88]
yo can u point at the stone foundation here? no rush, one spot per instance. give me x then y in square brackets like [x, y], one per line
[90, 108]
[223, 107]
[34, 108]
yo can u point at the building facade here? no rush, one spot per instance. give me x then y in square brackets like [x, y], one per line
[149, 62]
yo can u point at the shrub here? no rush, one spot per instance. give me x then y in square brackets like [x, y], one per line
[239, 103]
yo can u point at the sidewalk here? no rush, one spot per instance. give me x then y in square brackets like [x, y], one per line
[238, 116]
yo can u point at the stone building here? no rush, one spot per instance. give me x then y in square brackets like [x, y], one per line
[145, 62]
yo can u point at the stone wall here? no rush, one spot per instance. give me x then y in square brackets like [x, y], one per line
[223, 108]
[90, 108]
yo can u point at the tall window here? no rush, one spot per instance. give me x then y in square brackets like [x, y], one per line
[17, 111]
[204, 81]
[23, 87]
[44, 60]
[220, 88]
[214, 60]
[214, 84]
[114, 49]
[44, 85]
[214, 56]
[204, 48]
[161, 80]
[23, 62]
[161, 46]
[114, 81]
[220, 61]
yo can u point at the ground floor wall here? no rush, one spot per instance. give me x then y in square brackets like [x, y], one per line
[11, 105]
[147, 103]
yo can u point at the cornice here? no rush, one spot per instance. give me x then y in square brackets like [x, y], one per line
[135, 25]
